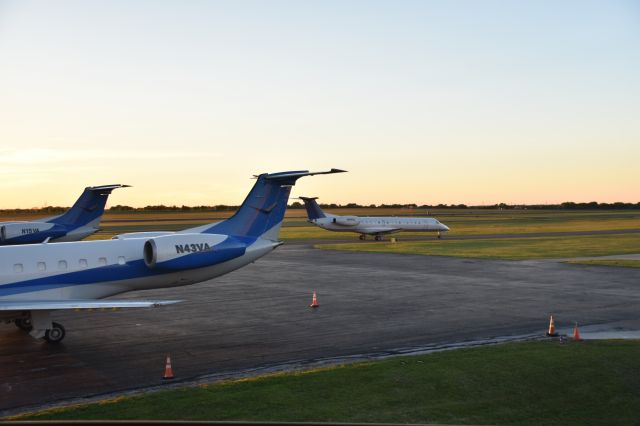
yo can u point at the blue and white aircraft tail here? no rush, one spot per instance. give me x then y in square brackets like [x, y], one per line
[313, 209]
[36, 279]
[80, 221]
[376, 225]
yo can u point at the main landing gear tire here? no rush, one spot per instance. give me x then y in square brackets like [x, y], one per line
[378, 238]
[55, 334]
[363, 237]
[24, 324]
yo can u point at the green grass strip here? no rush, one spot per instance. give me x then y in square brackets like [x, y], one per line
[507, 248]
[532, 383]
[625, 263]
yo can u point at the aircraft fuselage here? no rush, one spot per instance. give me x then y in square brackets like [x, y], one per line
[378, 225]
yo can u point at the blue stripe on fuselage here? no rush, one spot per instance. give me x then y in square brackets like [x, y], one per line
[114, 272]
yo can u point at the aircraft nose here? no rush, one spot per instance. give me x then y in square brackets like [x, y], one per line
[444, 227]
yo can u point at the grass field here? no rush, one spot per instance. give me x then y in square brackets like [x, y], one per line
[489, 222]
[587, 383]
[507, 248]
[625, 263]
[296, 228]
[462, 222]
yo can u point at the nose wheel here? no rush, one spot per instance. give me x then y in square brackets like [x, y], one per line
[55, 334]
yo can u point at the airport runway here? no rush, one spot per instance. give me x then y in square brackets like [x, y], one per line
[259, 316]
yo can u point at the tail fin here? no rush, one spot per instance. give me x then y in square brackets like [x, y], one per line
[261, 213]
[313, 209]
[88, 208]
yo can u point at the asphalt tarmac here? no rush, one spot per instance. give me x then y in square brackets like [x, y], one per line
[351, 237]
[259, 316]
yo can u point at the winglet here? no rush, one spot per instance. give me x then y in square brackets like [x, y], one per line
[106, 189]
[290, 178]
[300, 173]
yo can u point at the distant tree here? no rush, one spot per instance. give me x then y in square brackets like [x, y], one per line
[121, 208]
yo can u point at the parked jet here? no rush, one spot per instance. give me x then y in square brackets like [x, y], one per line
[80, 221]
[36, 279]
[374, 225]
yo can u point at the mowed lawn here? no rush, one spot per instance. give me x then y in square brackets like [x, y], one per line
[464, 225]
[461, 221]
[542, 225]
[506, 248]
[624, 263]
[532, 383]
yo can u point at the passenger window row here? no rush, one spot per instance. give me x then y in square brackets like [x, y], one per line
[63, 266]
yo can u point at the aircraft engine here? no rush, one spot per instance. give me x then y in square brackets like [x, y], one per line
[346, 221]
[34, 232]
[186, 251]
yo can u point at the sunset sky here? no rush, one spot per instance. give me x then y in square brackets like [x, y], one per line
[473, 102]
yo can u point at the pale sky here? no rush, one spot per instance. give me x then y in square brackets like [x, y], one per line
[473, 102]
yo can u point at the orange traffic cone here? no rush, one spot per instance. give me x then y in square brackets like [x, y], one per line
[314, 301]
[552, 328]
[168, 371]
[576, 334]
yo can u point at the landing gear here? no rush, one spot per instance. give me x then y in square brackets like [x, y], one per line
[439, 235]
[378, 238]
[363, 237]
[55, 334]
[24, 324]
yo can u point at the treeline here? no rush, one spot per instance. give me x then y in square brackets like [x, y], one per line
[569, 205]
[183, 208]
[48, 210]
[595, 205]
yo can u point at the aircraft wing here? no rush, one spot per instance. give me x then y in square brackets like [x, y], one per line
[382, 230]
[53, 305]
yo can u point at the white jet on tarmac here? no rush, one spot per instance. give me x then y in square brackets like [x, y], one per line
[80, 221]
[372, 225]
[36, 279]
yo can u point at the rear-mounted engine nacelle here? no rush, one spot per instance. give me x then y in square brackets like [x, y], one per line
[346, 221]
[186, 251]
